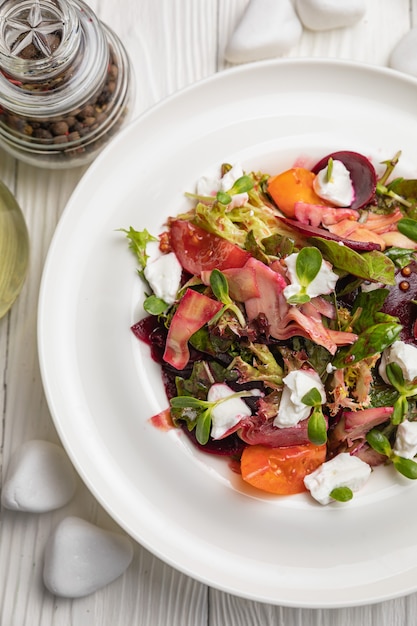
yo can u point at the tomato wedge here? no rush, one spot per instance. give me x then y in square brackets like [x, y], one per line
[199, 250]
[194, 310]
[280, 470]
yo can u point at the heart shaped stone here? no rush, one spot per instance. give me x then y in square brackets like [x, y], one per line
[81, 558]
[404, 55]
[328, 14]
[39, 478]
[267, 29]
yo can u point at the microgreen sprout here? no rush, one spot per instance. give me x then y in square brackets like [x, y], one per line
[386, 191]
[405, 390]
[202, 411]
[241, 185]
[390, 165]
[220, 289]
[381, 444]
[329, 171]
[317, 428]
[341, 494]
[308, 265]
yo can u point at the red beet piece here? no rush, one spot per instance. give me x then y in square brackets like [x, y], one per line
[400, 302]
[362, 174]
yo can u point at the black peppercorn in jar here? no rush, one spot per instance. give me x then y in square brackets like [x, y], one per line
[65, 82]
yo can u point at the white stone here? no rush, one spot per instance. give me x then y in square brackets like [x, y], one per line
[39, 478]
[267, 29]
[81, 558]
[328, 14]
[404, 55]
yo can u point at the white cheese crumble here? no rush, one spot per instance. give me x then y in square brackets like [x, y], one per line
[210, 185]
[164, 276]
[342, 471]
[336, 189]
[296, 384]
[226, 414]
[406, 440]
[323, 283]
[405, 355]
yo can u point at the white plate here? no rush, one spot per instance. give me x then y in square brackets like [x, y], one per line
[102, 386]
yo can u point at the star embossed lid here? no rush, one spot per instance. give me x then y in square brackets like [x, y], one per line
[64, 81]
[38, 37]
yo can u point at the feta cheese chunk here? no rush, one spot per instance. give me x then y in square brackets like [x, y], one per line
[342, 471]
[406, 440]
[210, 185]
[164, 276]
[405, 355]
[228, 413]
[296, 384]
[323, 283]
[336, 188]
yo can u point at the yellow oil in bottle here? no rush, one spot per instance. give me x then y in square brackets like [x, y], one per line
[14, 249]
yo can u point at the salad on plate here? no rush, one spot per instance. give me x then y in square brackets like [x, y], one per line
[282, 309]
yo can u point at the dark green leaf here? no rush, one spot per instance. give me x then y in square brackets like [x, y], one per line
[406, 467]
[308, 265]
[342, 494]
[379, 442]
[369, 303]
[154, 305]
[405, 187]
[317, 428]
[401, 257]
[381, 268]
[408, 227]
[374, 266]
[278, 245]
[370, 342]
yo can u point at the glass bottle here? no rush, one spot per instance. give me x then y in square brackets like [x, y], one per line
[65, 82]
[14, 249]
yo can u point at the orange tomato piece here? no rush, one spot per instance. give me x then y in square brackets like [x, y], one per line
[280, 470]
[293, 185]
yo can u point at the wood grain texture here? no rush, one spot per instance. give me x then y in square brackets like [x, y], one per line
[172, 44]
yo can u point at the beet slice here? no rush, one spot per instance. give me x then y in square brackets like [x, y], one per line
[400, 301]
[312, 231]
[362, 174]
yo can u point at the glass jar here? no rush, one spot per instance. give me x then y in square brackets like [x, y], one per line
[65, 82]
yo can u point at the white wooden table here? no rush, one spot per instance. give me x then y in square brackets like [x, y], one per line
[172, 44]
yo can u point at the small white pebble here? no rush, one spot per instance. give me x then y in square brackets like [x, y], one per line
[327, 14]
[81, 558]
[404, 55]
[267, 29]
[39, 478]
